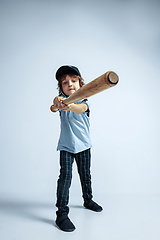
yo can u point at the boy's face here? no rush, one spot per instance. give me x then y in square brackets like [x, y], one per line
[70, 84]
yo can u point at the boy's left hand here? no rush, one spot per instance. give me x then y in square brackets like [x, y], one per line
[63, 106]
[58, 104]
[67, 107]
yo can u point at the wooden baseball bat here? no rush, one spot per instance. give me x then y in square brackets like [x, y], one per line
[105, 81]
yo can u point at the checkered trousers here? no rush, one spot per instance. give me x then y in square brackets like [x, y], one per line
[83, 161]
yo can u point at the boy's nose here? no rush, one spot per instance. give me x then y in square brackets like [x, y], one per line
[70, 83]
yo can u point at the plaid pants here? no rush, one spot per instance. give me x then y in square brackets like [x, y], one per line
[83, 161]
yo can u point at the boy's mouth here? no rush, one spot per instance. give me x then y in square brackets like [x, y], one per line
[70, 89]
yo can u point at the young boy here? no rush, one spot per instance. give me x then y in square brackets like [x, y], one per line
[74, 143]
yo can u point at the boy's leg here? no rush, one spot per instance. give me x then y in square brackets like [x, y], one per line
[63, 185]
[83, 160]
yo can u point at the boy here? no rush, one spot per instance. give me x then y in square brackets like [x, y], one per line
[74, 143]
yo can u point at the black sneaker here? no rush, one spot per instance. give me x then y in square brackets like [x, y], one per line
[64, 223]
[93, 206]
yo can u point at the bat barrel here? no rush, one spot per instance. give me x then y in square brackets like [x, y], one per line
[113, 78]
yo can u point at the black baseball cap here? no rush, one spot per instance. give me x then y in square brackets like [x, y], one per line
[67, 69]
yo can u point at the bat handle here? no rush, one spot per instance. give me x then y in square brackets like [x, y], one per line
[53, 109]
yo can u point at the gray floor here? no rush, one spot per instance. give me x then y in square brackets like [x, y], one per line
[126, 217]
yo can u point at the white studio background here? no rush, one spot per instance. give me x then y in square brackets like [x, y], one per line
[37, 37]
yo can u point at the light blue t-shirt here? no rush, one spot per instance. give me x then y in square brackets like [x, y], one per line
[75, 130]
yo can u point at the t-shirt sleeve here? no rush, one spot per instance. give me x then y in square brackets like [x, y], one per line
[85, 101]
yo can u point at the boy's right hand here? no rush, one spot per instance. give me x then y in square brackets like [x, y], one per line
[58, 104]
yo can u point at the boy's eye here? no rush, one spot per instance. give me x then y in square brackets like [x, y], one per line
[64, 83]
[74, 80]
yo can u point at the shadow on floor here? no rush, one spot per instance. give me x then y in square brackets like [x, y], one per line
[26, 209]
[29, 209]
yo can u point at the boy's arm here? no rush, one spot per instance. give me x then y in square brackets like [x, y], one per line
[77, 108]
